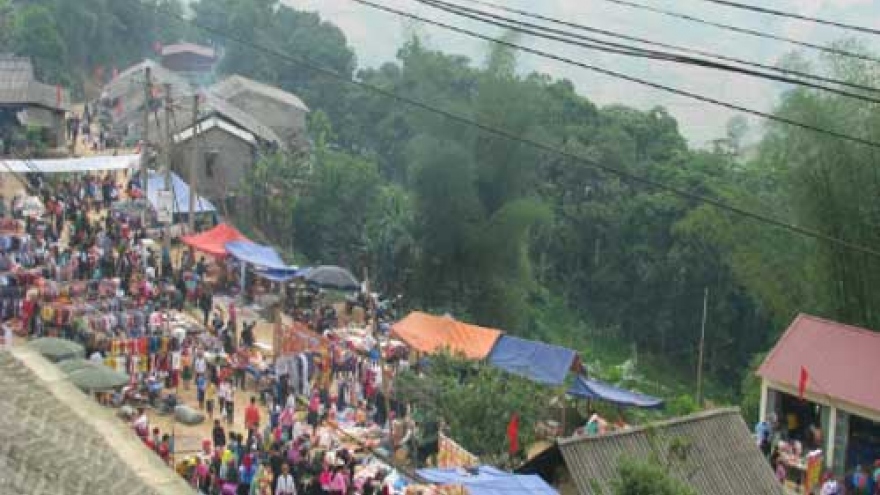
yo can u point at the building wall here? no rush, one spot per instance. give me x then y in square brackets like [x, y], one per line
[220, 178]
[287, 121]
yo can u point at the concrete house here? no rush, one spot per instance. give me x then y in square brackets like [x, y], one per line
[28, 103]
[823, 375]
[220, 148]
[284, 112]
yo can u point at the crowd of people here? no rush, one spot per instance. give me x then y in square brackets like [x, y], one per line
[292, 440]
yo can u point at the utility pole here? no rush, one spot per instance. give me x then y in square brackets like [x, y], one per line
[193, 167]
[145, 134]
[169, 140]
[702, 345]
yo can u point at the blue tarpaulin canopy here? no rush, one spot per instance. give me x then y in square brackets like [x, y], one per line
[265, 258]
[181, 194]
[256, 254]
[489, 481]
[586, 388]
[537, 361]
[274, 275]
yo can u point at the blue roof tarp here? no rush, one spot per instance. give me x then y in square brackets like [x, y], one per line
[586, 388]
[277, 275]
[489, 481]
[537, 361]
[265, 258]
[181, 194]
[256, 254]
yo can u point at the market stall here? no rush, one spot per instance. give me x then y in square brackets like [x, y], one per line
[213, 242]
[430, 334]
[537, 361]
[487, 480]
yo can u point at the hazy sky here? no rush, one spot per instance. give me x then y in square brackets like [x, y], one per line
[376, 36]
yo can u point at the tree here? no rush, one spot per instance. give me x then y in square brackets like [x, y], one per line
[35, 34]
[647, 478]
[477, 402]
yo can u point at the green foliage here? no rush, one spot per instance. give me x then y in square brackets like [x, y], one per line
[299, 34]
[334, 212]
[476, 402]
[68, 40]
[34, 33]
[682, 405]
[647, 478]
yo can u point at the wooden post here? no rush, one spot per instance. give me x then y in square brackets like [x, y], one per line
[145, 134]
[169, 141]
[702, 345]
[193, 170]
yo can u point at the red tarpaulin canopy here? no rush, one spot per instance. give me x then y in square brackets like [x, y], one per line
[214, 241]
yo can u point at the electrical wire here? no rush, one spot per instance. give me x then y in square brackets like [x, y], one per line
[625, 77]
[628, 50]
[742, 30]
[790, 15]
[684, 49]
[515, 138]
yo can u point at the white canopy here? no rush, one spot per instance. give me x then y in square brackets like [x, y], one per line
[71, 165]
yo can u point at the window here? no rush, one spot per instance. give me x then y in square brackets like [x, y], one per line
[210, 162]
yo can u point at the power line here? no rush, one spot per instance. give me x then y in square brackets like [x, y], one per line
[627, 176]
[679, 48]
[741, 30]
[625, 77]
[628, 50]
[790, 15]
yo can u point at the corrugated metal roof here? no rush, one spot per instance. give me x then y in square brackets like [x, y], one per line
[19, 86]
[722, 457]
[239, 117]
[55, 439]
[200, 50]
[235, 85]
[129, 84]
[842, 361]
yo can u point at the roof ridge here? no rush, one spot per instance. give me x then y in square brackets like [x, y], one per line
[843, 326]
[691, 418]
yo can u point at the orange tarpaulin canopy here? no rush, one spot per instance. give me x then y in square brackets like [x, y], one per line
[214, 241]
[430, 334]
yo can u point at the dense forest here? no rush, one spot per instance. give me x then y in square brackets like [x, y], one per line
[500, 233]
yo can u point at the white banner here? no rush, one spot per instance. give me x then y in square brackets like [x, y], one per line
[165, 206]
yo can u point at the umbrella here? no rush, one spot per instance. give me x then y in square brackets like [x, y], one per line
[69, 366]
[57, 349]
[98, 378]
[332, 277]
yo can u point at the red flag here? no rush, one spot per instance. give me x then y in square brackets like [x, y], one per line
[513, 433]
[802, 384]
